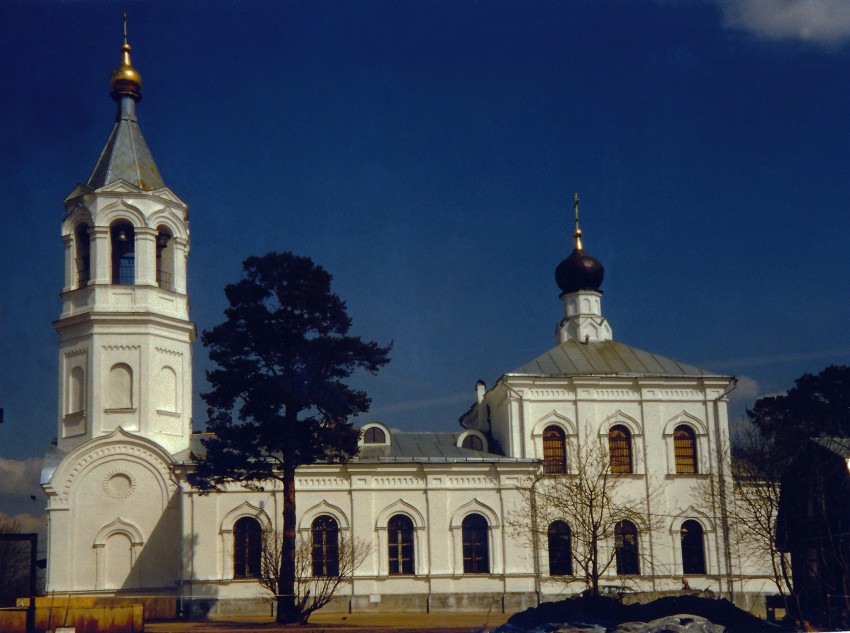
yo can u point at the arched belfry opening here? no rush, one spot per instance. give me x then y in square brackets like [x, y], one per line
[123, 242]
[82, 245]
[164, 259]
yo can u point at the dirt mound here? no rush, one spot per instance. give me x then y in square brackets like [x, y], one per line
[610, 612]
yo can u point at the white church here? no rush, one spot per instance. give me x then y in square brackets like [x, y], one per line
[439, 510]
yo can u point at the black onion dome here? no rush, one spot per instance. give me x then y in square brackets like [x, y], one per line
[579, 271]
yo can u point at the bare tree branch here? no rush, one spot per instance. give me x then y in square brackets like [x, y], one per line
[311, 592]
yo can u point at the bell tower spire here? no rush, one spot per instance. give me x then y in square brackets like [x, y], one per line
[579, 277]
[124, 332]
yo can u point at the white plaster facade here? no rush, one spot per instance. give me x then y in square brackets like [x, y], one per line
[122, 517]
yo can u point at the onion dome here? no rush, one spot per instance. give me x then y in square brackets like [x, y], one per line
[125, 80]
[579, 271]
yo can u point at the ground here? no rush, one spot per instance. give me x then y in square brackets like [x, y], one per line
[350, 623]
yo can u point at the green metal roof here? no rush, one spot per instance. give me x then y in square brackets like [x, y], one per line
[126, 157]
[573, 358]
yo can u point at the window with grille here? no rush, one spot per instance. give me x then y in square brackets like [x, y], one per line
[554, 450]
[400, 541]
[374, 435]
[325, 546]
[626, 548]
[247, 548]
[122, 242]
[560, 549]
[685, 450]
[476, 549]
[620, 449]
[693, 551]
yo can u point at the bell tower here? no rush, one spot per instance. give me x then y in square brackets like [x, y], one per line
[125, 338]
[579, 277]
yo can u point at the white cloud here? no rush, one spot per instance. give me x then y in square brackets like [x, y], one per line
[741, 398]
[19, 478]
[823, 22]
[26, 522]
[745, 392]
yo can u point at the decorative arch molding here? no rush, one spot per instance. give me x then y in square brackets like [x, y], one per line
[553, 418]
[117, 445]
[485, 445]
[119, 526]
[619, 417]
[323, 508]
[703, 453]
[167, 217]
[567, 426]
[131, 532]
[494, 541]
[691, 514]
[474, 507]
[709, 542]
[246, 509]
[635, 431]
[400, 507]
[79, 215]
[381, 525]
[685, 418]
[121, 210]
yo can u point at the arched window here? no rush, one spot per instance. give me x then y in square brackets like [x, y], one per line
[83, 255]
[620, 449]
[554, 451]
[77, 391]
[121, 387]
[247, 548]
[476, 548]
[167, 389]
[626, 548]
[118, 564]
[374, 435]
[685, 449]
[123, 240]
[473, 442]
[693, 550]
[325, 546]
[560, 549]
[400, 537]
[164, 259]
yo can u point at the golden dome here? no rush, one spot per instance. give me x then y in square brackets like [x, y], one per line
[126, 80]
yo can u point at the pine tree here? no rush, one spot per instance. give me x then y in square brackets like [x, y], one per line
[278, 397]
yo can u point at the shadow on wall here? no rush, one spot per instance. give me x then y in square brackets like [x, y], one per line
[198, 600]
[157, 562]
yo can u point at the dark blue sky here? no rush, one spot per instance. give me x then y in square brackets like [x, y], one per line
[426, 153]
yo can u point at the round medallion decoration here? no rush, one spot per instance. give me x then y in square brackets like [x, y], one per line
[119, 485]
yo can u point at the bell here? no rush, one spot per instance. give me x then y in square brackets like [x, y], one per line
[162, 240]
[122, 235]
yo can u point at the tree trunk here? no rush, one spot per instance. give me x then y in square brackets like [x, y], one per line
[594, 565]
[287, 609]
